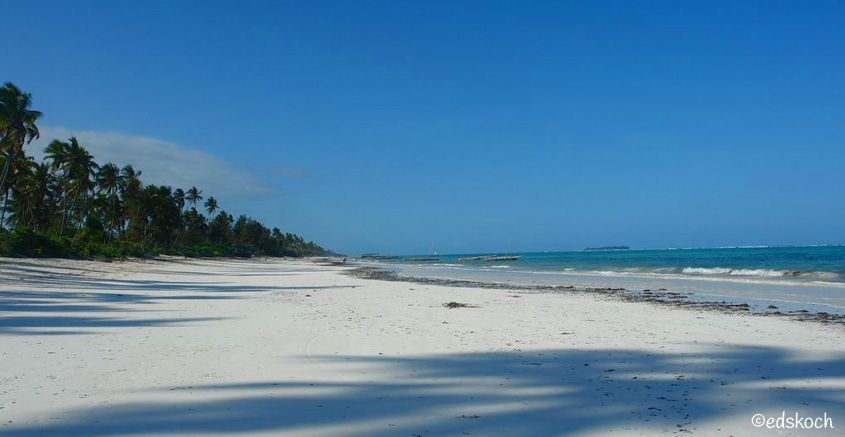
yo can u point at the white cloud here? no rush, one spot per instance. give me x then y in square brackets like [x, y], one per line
[160, 161]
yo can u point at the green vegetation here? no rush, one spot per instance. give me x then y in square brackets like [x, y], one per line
[70, 206]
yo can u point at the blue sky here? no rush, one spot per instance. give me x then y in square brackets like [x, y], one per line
[469, 126]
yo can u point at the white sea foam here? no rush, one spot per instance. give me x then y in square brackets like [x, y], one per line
[766, 273]
[704, 271]
[760, 273]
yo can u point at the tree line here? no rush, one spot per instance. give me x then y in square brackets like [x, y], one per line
[69, 205]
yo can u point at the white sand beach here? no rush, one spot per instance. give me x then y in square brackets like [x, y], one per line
[273, 346]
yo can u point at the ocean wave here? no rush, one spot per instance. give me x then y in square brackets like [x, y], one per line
[760, 273]
[715, 273]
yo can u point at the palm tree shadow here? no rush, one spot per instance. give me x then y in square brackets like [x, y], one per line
[39, 309]
[115, 284]
[513, 393]
[27, 312]
[37, 325]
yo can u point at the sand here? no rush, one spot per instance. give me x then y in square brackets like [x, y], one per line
[274, 346]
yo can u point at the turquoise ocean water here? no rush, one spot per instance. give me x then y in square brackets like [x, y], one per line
[809, 263]
[806, 277]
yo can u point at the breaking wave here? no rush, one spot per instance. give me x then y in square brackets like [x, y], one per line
[759, 273]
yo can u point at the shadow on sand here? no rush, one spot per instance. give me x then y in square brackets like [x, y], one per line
[38, 310]
[548, 392]
[34, 312]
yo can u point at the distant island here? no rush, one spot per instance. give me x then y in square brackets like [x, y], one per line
[489, 258]
[422, 258]
[608, 248]
[377, 256]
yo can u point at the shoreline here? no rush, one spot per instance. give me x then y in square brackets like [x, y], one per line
[802, 279]
[659, 296]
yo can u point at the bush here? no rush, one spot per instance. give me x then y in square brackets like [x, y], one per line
[87, 243]
[92, 242]
[24, 242]
[93, 231]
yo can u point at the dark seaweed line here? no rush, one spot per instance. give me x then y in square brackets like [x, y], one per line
[659, 297]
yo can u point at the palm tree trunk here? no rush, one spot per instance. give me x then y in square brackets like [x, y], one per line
[67, 212]
[83, 215]
[3, 213]
[6, 166]
[13, 148]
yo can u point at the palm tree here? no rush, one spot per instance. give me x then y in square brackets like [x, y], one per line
[179, 198]
[83, 167]
[57, 153]
[17, 128]
[76, 180]
[18, 202]
[193, 196]
[18, 170]
[109, 180]
[78, 170]
[34, 196]
[130, 192]
[130, 179]
[211, 205]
